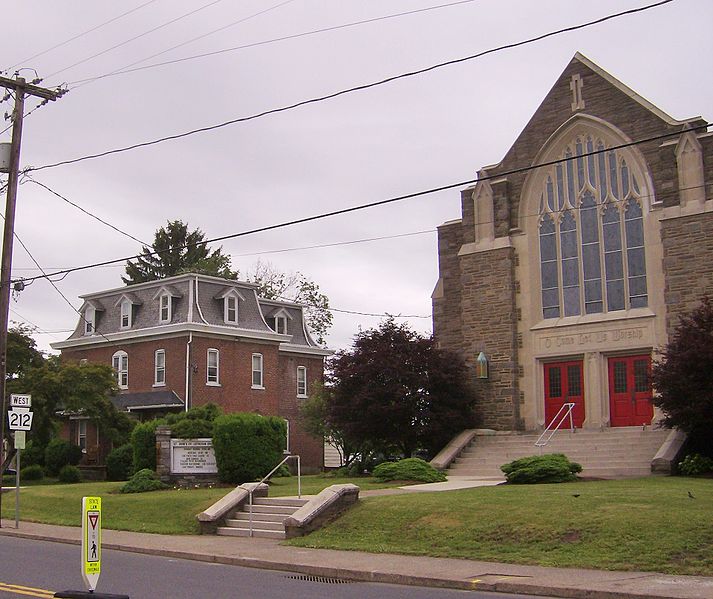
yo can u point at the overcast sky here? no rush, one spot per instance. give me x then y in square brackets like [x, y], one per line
[412, 134]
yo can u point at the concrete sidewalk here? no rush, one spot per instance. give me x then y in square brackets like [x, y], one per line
[387, 568]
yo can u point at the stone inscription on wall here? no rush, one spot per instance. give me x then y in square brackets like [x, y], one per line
[623, 336]
[193, 456]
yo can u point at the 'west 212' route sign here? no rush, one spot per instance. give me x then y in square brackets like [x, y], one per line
[91, 541]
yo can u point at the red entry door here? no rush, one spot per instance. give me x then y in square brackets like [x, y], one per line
[563, 384]
[630, 391]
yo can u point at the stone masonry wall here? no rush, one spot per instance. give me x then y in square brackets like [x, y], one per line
[490, 325]
[688, 264]
[447, 326]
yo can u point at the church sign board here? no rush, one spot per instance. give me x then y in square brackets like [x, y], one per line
[193, 456]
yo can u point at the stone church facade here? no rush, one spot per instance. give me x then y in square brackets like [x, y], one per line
[569, 276]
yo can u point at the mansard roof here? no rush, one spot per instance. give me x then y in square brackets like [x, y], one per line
[197, 305]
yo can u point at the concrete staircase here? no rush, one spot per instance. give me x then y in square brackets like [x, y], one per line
[269, 515]
[611, 453]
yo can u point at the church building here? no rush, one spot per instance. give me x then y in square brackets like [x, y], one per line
[576, 254]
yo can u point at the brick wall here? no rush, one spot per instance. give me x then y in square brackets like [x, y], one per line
[688, 264]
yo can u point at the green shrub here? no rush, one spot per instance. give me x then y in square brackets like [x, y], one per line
[143, 443]
[60, 453]
[34, 453]
[549, 468]
[143, 481]
[408, 469]
[247, 446]
[33, 472]
[120, 463]
[190, 428]
[69, 474]
[694, 464]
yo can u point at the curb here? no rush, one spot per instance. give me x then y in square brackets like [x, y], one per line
[374, 576]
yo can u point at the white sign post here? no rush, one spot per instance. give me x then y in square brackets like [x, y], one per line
[19, 418]
[91, 541]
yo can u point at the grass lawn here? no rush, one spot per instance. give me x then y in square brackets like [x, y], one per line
[165, 512]
[644, 524]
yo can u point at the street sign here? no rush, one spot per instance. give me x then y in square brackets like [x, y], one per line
[19, 439]
[91, 541]
[19, 419]
[21, 401]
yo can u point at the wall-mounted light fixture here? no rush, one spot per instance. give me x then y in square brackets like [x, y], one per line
[481, 366]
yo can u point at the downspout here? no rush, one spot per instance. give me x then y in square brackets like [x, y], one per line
[188, 369]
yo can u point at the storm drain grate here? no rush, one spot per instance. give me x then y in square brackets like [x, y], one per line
[323, 579]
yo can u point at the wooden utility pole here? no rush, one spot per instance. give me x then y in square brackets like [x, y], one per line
[21, 89]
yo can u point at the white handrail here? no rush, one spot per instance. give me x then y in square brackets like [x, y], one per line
[267, 476]
[567, 407]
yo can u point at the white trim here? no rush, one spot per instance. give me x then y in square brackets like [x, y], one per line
[302, 369]
[89, 318]
[253, 371]
[175, 329]
[208, 381]
[291, 348]
[127, 308]
[154, 407]
[156, 382]
[117, 357]
[226, 308]
[169, 307]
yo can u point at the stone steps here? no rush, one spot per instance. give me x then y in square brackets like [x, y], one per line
[612, 453]
[268, 518]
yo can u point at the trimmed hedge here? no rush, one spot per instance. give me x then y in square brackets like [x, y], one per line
[548, 468]
[33, 472]
[143, 481]
[69, 474]
[143, 442]
[695, 464]
[120, 463]
[191, 428]
[408, 469]
[247, 446]
[60, 453]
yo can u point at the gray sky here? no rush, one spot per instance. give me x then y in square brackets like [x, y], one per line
[431, 130]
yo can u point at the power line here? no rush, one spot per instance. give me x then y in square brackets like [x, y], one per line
[120, 70]
[71, 39]
[145, 33]
[384, 202]
[78, 207]
[126, 69]
[349, 90]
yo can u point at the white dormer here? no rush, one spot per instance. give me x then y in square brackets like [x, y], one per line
[127, 301]
[88, 313]
[278, 320]
[165, 295]
[230, 297]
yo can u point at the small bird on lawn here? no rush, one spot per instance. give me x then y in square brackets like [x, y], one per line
[691, 495]
[575, 494]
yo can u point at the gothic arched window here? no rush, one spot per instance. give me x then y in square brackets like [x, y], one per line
[591, 234]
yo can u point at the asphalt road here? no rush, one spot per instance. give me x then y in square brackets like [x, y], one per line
[30, 568]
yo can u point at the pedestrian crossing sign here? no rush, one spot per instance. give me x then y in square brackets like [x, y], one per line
[91, 541]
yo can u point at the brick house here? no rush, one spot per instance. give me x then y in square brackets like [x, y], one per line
[568, 277]
[192, 339]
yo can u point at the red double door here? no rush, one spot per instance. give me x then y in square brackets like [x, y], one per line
[564, 383]
[630, 391]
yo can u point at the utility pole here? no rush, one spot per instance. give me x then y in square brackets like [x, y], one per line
[21, 89]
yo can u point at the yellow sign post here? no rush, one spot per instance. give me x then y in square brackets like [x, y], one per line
[91, 540]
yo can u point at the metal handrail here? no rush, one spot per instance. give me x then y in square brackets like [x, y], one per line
[267, 476]
[567, 407]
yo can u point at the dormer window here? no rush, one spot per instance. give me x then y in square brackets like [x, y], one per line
[90, 315]
[126, 314]
[165, 308]
[281, 325]
[231, 309]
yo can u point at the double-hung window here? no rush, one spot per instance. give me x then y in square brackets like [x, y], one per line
[90, 315]
[257, 372]
[301, 381]
[213, 367]
[281, 325]
[231, 309]
[159, 367]
[125, 314]
[165, 308]
[82, 434]
[120, 363]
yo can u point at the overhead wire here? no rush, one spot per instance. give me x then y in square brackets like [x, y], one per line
[350, 90]
[391, 200]
[88, 31]
[127, 68]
